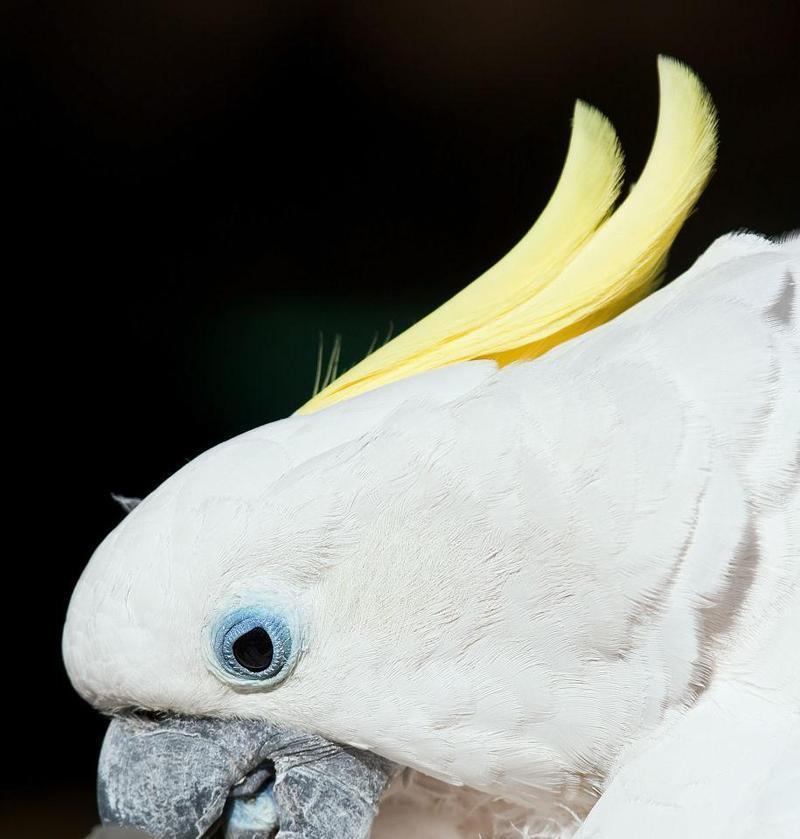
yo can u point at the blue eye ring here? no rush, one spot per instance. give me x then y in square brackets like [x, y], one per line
[254, 645]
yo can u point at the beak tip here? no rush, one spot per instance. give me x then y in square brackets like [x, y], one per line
[155, 778]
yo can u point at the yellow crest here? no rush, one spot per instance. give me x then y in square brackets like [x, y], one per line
[581, 263]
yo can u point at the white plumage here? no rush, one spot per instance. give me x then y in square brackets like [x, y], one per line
[567, 578]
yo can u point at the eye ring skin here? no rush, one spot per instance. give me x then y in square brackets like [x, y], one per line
[233, 625]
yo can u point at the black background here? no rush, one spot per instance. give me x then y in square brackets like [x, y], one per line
[195, 190]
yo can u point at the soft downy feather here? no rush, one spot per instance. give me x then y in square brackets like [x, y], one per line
[740, 580]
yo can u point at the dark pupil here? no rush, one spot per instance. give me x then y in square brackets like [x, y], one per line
[253, 650]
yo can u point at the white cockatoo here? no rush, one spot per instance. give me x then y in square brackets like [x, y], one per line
[530, 569]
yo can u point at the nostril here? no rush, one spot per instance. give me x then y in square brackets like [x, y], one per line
[254, 782]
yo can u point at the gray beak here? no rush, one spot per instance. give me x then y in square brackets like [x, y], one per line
[185, 778]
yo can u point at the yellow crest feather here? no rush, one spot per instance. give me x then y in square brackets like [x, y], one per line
[578, 266]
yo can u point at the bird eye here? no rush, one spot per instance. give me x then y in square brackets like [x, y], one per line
[254, 645]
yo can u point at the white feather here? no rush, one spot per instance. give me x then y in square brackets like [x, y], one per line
[567, 579]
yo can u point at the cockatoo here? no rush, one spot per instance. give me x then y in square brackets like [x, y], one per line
[532, 568]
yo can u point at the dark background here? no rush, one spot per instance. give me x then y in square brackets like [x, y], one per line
[196, 189]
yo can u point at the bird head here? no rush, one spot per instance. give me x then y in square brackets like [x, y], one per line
[305, 607]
